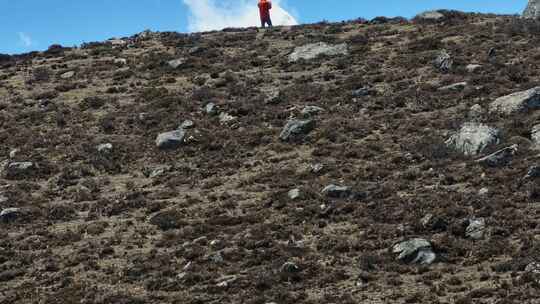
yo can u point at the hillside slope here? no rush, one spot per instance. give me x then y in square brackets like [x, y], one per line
[94, 212]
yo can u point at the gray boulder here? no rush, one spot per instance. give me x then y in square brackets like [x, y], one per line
[533, 172]
[211, 109]
[19, 168]
[313, 50]
[415, 251]
[443, 62]
[476, 228]
[499, 158]
[365, 91]
[105, 148]
[473, 138]
[294, 129]
[226, 117]
[334, 191]
[532, 11]
[170, 140]
[516, 102]
[188, 124]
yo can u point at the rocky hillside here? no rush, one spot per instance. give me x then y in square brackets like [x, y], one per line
[382, 161]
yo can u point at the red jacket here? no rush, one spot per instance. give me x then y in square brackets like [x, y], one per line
[264, 8]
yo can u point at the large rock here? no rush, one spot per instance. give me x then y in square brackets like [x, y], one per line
[9, 214]
[294, 129]
[313, 50]
[15, 169]
[176, 63]
[516, 102]
[443, 62]
[499, 158]
[476, 228]
[532, 10]
[170, 140]
[337, 191]
[415, 251]
[473, 138]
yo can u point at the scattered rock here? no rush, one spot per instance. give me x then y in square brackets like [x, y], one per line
[454, 87]
[316, 168]
[334, 191]
[532, 11]
[9, 214]
[533, 172]
[105, 148]
[216, 258]
[430, 16]
[117, 42]
[170, 140]
[471, 68]
[225, 281]
[365, 91]
[516, 102]
[290, 268]
[157, 171]
[225, 117]
[309, 111]
[415, 251]
[67, 75]
[483, 191]
[476, 228]
[13, 153]
[443, 62]
[120, 61]
[176, 63]
[313, 50]
[211, 109]
[535, 136]
[295, 194]
[188, 124]
[294, 129]
[473, 138]
[533, 269]
[19, 168]
[499, 158]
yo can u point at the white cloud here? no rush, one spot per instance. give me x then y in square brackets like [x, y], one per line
[25, 39]
[207, 15]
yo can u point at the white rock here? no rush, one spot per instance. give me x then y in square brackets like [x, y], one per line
[473, 138]
[471, 68]
[516, 102]
[67, 75]
[105, 148]
[313, 50]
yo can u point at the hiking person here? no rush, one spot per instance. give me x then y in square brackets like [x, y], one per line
[264, 9]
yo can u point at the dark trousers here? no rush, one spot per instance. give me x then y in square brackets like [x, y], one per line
[266, 21]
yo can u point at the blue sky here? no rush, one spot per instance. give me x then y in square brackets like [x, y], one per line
[28, 25]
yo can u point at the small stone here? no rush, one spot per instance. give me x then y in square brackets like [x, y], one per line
[216, 244]
[295, 194]
[476, 228]
[225, 281]
[294, 129]
[309, 111]
[67, 75]
[157, 171]
[176, 63]
[334, 191]
[105, 148]
[365, 91]
[316, 168]
[18, 168]
[225, 118]
[188, 124]
[170, 140]
[483, 192]
[471, 68]
[211, 109]
[120, 61]
[499, 158]
[415, 251]
[454, 87]
[13, 153]
[216, 258]
[290, 268]
[533, 172]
